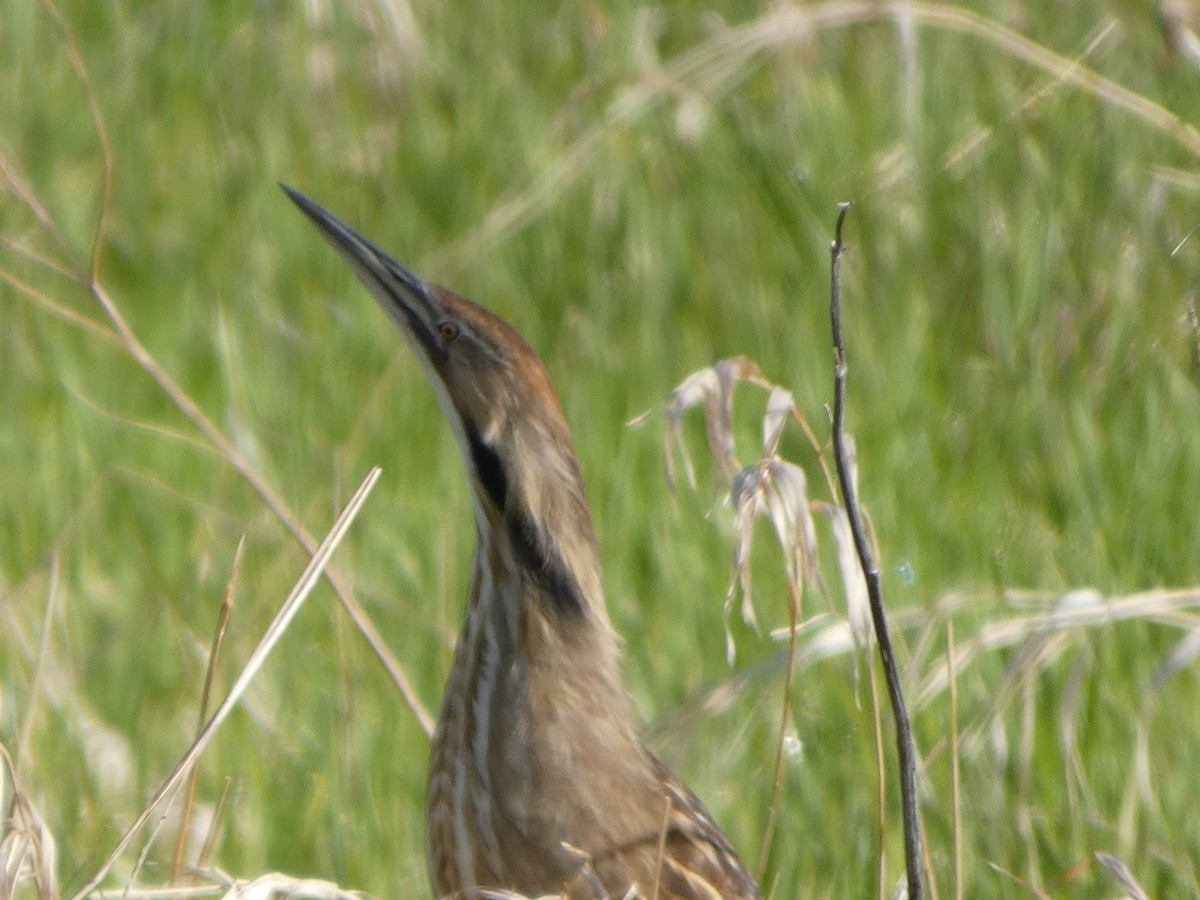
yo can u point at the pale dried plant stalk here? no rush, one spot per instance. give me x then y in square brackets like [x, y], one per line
[779, 490]
[27, 848]
[216, 883]
[1067, 613]
[274, 632]
[858, 607]
[276, 884]
[711, 388]
[1117, 868]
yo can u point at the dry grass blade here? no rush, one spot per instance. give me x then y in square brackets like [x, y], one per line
[27, 849]
[41, 259]
[1073, 610]
[1117, 868]
[955, 773]
[1193, 320]
[59, 311]
[174, 892]
[219, 884]
[1185, 652]
[858, 606]
[35, 689]
[778, 489]
[1178, 19]
[276, 884]
[780, 408]
[25, 195]
[270, 638]
[967, 151]
[214, 654]
[712, 388]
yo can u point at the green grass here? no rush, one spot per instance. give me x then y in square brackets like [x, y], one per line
[1023, 391]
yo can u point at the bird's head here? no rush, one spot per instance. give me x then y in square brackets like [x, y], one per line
[497, 397]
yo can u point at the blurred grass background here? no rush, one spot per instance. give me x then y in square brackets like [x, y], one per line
[642, 190]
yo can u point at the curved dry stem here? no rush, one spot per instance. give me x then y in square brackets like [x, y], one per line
[718, 64]
[127, 340]
[275, 631]
[56, 309]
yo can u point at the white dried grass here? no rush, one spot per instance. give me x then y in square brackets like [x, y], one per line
[712, 389]
[27, 849]
[1069, 612]
[276, 884]
[218, 884]
[1117, 868]
[858, 605]
[771, 487]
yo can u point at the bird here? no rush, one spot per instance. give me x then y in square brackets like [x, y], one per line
[539, 782]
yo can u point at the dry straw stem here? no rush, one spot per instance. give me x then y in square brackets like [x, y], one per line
[719, 64]
[214, 654]
[219, 884]
[827, 636]
[271, 637]
[1083, 608]
[124, 337]
[27, 850]
[1117, 868]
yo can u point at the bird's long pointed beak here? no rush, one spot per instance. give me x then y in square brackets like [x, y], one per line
[403, 295]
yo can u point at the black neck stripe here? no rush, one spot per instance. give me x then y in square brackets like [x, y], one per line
[547, 570]
[488, 467]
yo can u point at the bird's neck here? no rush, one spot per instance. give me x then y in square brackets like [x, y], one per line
[536, 602]
[539, 588]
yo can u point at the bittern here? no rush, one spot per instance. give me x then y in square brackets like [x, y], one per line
[538, 780]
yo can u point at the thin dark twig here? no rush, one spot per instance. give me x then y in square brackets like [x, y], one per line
[904, 740]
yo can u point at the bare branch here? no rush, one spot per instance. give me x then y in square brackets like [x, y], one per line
[904, 740]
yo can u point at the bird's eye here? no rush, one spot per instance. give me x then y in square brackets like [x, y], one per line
[448, 330]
